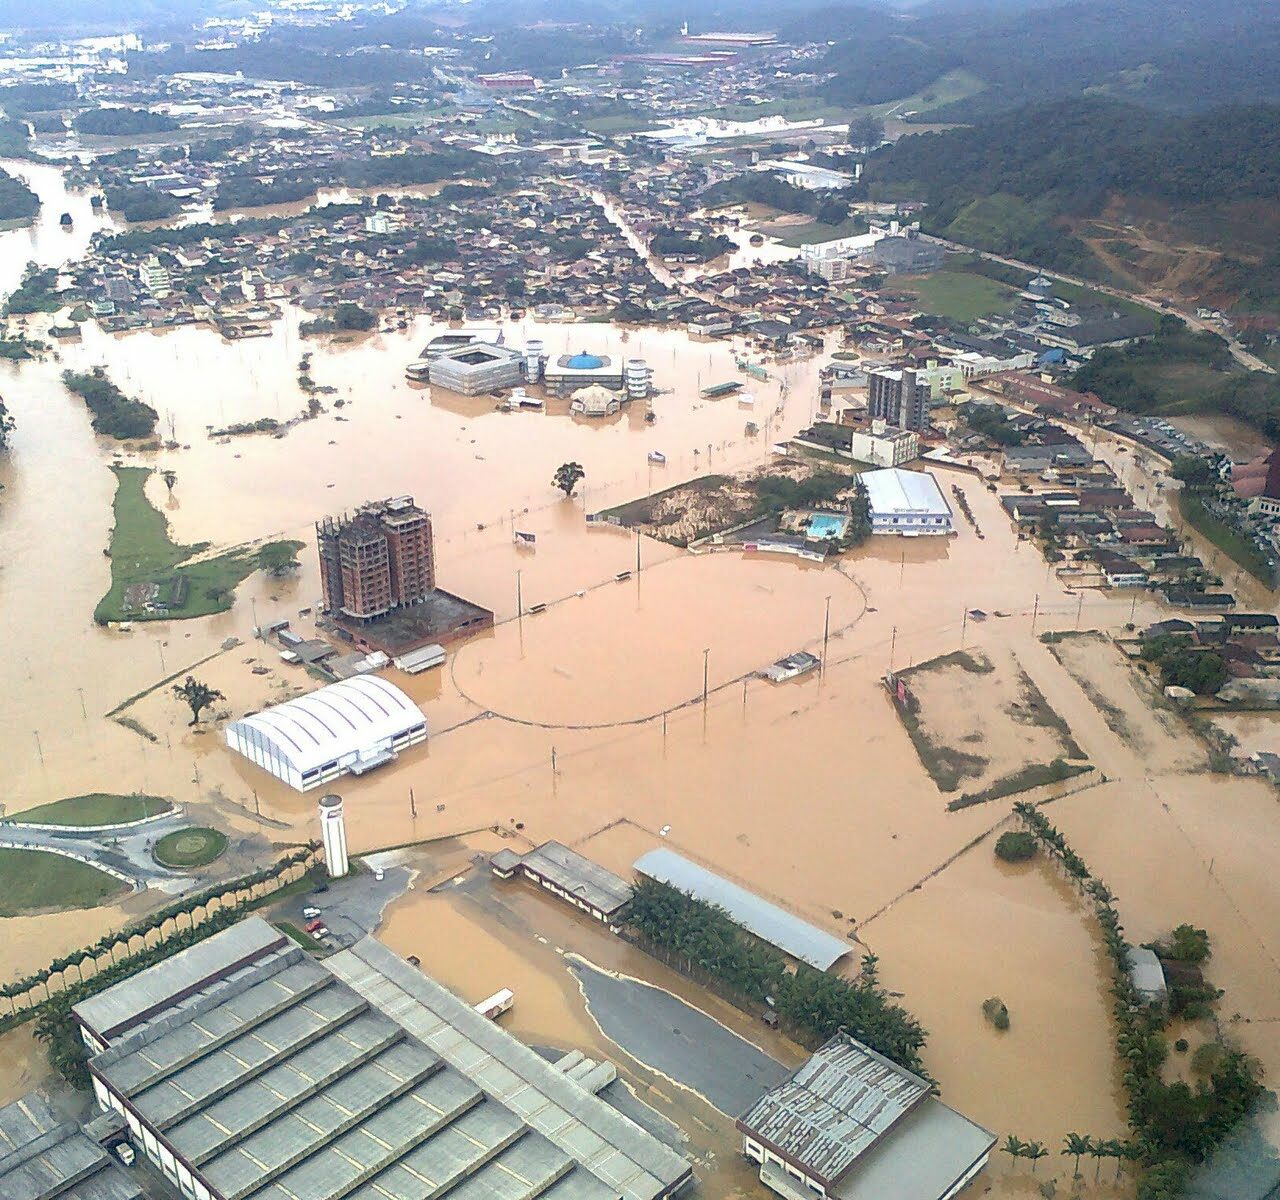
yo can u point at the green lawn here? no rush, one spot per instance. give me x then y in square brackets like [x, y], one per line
[34, 879]
[818, 231]
[301, 936]
[619, 123]
[142, 552]
[95, 808]
[959, 295]
[192, 847]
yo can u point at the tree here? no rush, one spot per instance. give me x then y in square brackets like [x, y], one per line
[1014, 1147]
[1076, 1146]
[1193, 470]
[279, 558]
[568, 476]
[866, 132]
[6, 426]
[1035, 1151]
[1016, 845]
[1188, 944]
[170, 478]
[198, 696]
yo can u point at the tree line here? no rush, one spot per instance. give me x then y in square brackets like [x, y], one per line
[1174, 1127]
[17, 201]
[694, 935]
[112, 412]
[125, 958]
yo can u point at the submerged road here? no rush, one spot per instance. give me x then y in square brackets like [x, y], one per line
[679, 1041]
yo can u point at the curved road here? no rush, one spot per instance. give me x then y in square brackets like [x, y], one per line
[126, 852]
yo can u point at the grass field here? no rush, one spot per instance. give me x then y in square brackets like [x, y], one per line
[818, 231]
[1236, 547]
[96, 808]
[142, 552]
[959, 295]
[34, 879]
[301, 936]
[193, 847]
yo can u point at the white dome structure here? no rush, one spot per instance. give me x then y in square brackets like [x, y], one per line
[349, 727]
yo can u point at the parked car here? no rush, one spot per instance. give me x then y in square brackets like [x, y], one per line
[314, 927]
[310, 913]
[125, 1153]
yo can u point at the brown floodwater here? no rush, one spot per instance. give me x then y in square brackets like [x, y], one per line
[809, 792]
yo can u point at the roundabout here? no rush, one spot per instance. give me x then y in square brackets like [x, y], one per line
[189, 847]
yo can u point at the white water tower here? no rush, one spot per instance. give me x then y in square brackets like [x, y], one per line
[639, 379]
[535, 353]
[333, 833]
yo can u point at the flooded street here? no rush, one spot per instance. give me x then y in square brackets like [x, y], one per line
[587, 722]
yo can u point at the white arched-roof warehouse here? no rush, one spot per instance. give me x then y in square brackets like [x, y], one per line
[352, 726]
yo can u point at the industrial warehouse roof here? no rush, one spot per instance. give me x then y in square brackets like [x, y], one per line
[358, 1077]
[894, 490]
[334, 721]
[866, 1128]
[132, 1002]
[766, 921]
[575, 874]
[41, 1156]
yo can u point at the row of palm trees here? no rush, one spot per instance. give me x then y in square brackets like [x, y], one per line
[1075, 1146]
[156, 929]
[1172, 1125]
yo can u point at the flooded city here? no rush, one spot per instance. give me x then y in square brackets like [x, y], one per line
[621, 702]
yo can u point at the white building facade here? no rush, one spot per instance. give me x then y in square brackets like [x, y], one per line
[907, 503]
[350, 727]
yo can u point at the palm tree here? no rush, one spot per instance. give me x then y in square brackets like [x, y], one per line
[1014, 1147]
[1035, 1151]
[1076, 1145]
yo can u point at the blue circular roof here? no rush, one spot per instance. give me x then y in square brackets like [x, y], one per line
[585, 362]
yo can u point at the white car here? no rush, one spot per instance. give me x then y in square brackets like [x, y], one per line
[125, 1153]
[311, 913]
[378, 874]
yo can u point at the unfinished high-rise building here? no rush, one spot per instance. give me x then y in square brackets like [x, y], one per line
[379, 560]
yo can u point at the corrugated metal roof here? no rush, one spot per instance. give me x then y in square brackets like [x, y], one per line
[766, 921]
[578, 875]
[128, 1002]
[834, 1108]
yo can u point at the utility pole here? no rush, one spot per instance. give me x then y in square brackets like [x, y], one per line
[964, 624]
[1035, 612]
[893, 645]
[706, 654]
[1079, 609]
[519, 597]
[826, 634]
[637, 553]
[35, 733]
[413, 808]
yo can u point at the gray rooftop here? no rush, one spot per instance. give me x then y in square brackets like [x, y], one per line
[1146, 973]
[358, 1077]
[768, 922]
[133, 1001]
[575, 873]
[41, 1156]
[865, 1127]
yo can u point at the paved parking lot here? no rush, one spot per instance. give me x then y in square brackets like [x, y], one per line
[663, 1032]
[351, 907]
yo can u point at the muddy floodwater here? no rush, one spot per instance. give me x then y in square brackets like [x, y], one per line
[588, 722]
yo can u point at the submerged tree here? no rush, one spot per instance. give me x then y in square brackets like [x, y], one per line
[196, 695]
[6, 426]
[170, 478]
[568, 476]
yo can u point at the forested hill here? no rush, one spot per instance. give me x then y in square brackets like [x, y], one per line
[1174, 54]
[1080, 152]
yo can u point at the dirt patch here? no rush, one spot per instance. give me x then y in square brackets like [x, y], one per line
[715, 503]
[981, 721]
[1128, 703]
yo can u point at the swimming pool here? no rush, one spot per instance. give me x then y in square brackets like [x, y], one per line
[824, 525]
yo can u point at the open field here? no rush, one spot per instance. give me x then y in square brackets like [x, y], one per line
[95, 808]
[34, 880]
[148, 566]
[191, 847]
[1128, 702]
[978, 719]
[959, 295]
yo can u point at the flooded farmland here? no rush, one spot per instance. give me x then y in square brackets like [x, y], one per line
[588, 722]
